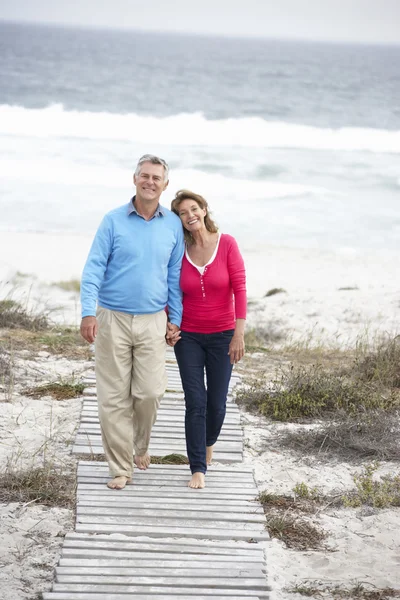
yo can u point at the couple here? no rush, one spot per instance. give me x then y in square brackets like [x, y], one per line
[142, 266]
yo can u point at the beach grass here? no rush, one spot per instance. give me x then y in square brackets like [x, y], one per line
[297, 392]
[356, 591]
[49, 485]
[72, 285]
[370, 435]
[59, 341]
[14, 316]
[59, 390]
[170, 459]
[296, 532]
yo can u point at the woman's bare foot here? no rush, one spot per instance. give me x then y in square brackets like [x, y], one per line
[142, 462]
[197, 481]
[209, 454]
[119, 482]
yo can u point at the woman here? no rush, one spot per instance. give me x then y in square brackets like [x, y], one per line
[213, 283]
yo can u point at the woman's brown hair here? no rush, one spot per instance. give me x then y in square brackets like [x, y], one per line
[182, 195]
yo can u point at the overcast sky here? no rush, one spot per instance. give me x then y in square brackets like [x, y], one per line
[330, 20]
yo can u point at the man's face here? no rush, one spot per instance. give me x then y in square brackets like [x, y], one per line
[150, 182]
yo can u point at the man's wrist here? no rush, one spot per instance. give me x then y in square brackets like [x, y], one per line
[173, 322]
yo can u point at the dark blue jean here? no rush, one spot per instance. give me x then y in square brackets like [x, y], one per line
[205, 403]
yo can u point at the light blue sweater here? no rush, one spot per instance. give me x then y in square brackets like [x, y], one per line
[134, 265]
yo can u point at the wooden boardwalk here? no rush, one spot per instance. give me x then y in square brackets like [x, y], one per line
[157, 538]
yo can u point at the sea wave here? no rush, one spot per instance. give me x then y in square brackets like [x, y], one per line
[190, 130]
[57, 171]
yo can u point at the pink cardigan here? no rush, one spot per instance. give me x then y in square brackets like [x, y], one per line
[213, 301]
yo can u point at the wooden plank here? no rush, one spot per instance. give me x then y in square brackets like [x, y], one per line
[204, 533]
[161, 478]
[156, 482]
[229, 471]
[164, 407]
[175, 416]
[161, 438]
[110, 560]
[155, 503]
[165, 433]
[173, 521]
[170, 408]
[146, 544]
[140, 513]
[255, 583]
[159, 447]
[214, 482]
[177, 490]
[149, 492]
[88, 448]
[116, 554]
[165, 595]
[74, 592]
[95, 572]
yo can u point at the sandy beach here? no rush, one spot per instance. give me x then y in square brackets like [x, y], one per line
[362, 543]
[328, 298]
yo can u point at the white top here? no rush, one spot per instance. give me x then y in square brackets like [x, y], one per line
[202, 269]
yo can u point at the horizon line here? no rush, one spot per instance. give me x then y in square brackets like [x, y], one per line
[200, 34]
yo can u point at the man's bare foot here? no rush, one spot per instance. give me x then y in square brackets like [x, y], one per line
[119, 482]
[142, 462]
[197, 481]
[209, 454]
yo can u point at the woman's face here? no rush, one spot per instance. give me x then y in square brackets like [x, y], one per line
[191, 215]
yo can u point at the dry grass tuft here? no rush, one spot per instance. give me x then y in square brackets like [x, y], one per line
[170, 459]
[379, 493]
[296, 532]
[91, 456]
[58, 390]
[274, 291]
[382, 365]
[359, 591]
[316, 391]
[286, 503]
[285, 520]
[259, 338]
[73, 285]
[7, 377]
[48, 485]
[6, 363]
[14, 316]
[373, 434]
[59, 341]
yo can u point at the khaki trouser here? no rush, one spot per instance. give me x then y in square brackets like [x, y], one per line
[131, 380]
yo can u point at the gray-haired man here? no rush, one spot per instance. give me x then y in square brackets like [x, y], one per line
[130, 277]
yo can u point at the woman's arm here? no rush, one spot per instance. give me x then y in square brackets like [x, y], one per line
[237, 346]
[237, 275]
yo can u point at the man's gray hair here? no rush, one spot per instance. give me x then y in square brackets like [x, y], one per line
[155, 160]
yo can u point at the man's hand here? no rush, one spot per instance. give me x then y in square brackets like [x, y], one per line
[89, 329]
[172, 336]
[236, 348]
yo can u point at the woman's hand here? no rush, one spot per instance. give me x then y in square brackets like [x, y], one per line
[173, 334]
[236, 348]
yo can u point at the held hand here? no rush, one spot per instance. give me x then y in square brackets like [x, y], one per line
[172, 336]
[236, 348]
[89, 329]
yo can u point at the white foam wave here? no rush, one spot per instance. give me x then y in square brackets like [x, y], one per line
[57, 171]
[190, 130]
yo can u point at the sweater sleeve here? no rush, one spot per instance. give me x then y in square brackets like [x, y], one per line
[95, 267]
[237, 275]
[174, 272]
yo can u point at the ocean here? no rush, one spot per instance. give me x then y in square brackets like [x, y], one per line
[293, 144]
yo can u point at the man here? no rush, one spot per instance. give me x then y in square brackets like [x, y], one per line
[132, 274]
